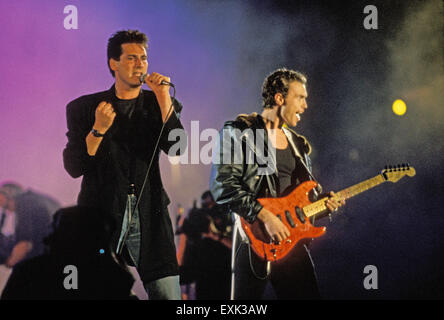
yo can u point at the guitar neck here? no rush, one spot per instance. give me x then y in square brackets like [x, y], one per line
[319, 206]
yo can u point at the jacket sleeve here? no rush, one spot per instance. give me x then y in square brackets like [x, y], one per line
[173, 133]
[76, 159]
[226, 181]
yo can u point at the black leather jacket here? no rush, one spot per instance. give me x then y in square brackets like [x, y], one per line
[239, 184]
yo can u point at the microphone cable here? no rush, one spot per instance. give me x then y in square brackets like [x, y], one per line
[131, 212]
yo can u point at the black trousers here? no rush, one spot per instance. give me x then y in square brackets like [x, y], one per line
[292, 277]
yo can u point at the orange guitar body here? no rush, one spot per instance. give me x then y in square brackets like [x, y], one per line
[289, 210]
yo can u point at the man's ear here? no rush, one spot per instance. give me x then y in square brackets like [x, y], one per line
[113, 64]
[279, 99]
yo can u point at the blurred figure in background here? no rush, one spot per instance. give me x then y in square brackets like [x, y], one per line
[207, 254]
[25, 219]
[80, 241]
[187, 289]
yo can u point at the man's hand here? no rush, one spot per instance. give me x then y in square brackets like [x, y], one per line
[19, 252]
[275, 228]
[153, 81]
[104, 117]
[333, 203]
[162, 93]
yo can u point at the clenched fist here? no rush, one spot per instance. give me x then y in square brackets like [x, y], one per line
[105, 115]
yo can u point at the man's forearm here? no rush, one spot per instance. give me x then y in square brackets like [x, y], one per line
[165, 103]
[92, 143]
[19, 252]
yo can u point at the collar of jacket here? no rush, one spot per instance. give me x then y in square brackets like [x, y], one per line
[298, 142]
[255, 121]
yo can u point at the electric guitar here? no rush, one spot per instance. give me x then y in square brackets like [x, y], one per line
[296, 210]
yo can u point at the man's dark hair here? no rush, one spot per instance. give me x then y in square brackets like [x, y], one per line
[278, 82]
[206, 194]
[121, 37]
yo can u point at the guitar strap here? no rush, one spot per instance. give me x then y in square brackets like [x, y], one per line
[303, 160]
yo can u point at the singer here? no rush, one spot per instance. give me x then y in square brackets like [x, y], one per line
[111, 141]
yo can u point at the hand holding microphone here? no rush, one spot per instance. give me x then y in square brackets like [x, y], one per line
[155, 78]
[160, 85]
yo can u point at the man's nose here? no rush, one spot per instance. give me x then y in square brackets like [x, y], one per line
[139, 62]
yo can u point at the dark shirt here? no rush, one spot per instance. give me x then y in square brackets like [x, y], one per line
[286, 164]
[125, 108]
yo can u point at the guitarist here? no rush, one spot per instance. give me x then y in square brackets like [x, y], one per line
[241, 183]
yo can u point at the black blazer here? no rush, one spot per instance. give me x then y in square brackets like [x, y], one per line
[106, 176]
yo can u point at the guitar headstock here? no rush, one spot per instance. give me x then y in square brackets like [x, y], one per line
[395, 173]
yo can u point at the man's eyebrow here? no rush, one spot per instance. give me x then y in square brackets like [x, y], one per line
[135, 55]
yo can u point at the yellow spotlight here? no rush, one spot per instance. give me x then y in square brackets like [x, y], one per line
[399, 107]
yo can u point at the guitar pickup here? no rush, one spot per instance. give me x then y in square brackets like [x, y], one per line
[289, 219]
[299, 214]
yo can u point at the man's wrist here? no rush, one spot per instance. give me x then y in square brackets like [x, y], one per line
[98, 133]
[264, 215]
[163, 92]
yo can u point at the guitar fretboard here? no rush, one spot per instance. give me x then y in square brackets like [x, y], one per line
[319, 206]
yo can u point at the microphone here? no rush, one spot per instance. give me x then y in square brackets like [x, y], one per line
[163, 82]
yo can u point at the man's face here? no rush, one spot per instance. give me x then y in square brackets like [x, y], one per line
[295, 103]
[132, 64]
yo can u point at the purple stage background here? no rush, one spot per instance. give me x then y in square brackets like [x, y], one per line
[217, 53]
[45, 66]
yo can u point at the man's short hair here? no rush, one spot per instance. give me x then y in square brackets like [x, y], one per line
[278, 82]
[120, 37]
[207, 194]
